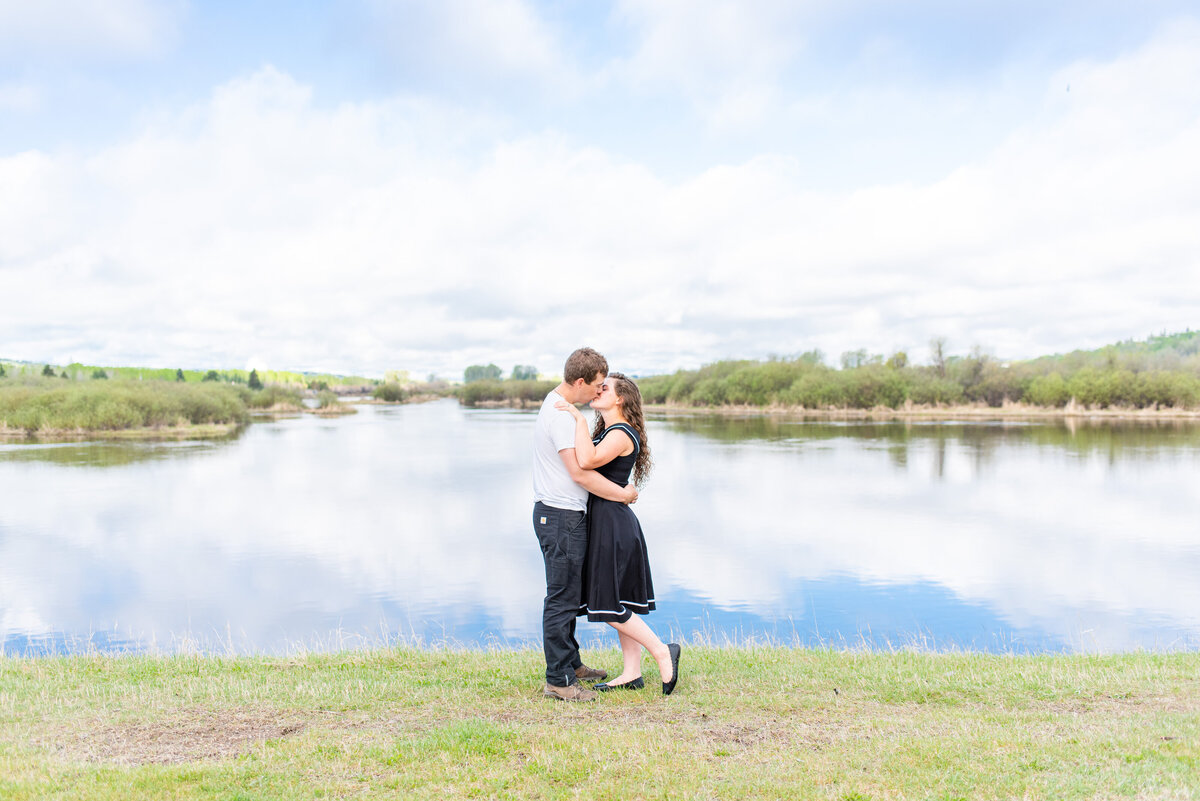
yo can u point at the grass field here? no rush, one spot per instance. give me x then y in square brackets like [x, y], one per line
[49, 408]
[744, 723]
[52, 406]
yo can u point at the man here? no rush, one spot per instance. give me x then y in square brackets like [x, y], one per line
[560, 493]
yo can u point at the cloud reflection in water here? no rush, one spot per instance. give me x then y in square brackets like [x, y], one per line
[412, 523]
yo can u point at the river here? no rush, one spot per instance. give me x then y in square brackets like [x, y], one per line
[411, 525]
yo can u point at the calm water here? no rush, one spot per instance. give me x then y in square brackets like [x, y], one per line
[412, 524]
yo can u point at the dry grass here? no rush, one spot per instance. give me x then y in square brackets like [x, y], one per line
[174, 432]
[185, 736]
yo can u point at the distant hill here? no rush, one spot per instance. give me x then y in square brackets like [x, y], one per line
[80, 372]
[1164, 351]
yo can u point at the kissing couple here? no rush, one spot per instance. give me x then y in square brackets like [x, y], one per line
[584, 481]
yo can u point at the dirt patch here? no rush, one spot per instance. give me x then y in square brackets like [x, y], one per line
[185, 737]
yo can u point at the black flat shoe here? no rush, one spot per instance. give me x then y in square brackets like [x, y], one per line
[669, 686]
[635, 684]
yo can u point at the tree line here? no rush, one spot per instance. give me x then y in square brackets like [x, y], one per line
[1162, 371]
[253, 378]
[490, 372]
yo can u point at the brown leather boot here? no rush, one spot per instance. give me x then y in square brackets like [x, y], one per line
[585, 673]
[572, 692]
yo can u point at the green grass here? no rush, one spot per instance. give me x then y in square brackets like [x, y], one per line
[49, 405]
[744, 723]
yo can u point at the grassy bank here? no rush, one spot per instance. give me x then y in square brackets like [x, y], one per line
[746, 722]
[119, 409]
[49, 406]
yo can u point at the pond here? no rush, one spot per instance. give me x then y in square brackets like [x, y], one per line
[411, 524]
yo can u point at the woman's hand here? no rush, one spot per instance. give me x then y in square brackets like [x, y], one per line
[563, 406]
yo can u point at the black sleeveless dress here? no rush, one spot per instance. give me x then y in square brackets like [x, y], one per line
[616, 575]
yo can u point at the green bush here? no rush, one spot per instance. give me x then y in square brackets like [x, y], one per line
[486, 391]
[808, 383]
[762, 384]
[1048, 390]
[710, 391]
[928, 388]
[874, 385]
[656, 388]
[273, 396]
[675, 388]
[817, 390]
[390, 392]
[116, 405]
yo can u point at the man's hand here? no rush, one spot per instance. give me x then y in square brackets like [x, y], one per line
[631, 493]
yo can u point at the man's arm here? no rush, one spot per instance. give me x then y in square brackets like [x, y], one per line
[595, 483]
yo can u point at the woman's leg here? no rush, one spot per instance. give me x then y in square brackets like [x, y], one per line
[636, 629]
[631, 653]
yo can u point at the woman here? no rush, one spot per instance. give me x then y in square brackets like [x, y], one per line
[616, 577]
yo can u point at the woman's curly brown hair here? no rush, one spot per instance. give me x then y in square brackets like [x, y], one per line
[631, 406]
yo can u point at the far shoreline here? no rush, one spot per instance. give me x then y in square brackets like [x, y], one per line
[1011, 411]
[142, 433]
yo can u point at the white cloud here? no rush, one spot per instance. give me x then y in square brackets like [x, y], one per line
[492, 40]
[727, 57]
[87, 28]
[383, 235]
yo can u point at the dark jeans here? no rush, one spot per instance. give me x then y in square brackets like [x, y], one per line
[562, 535]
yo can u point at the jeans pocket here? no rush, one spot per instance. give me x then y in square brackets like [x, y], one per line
[546, 525]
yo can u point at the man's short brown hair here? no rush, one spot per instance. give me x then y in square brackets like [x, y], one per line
[584, 363]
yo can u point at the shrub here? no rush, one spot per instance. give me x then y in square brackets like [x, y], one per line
[116, 405]
[274, 397]
[994, 384]
[929, 388]
[390, 392]
[875, 385]
[761, 384]
[655, 388]
[817, 390]
[1048, 390]
[525, 392]
[710, 391]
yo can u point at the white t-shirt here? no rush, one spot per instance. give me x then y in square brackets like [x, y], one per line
[552, 484]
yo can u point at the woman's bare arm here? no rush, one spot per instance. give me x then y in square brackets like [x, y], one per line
[595, 483]
[592, 456]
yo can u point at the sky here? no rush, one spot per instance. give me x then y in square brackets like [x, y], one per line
[422, 185]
